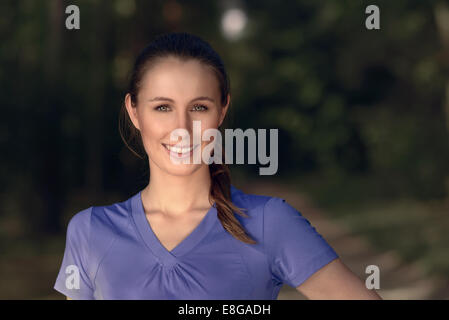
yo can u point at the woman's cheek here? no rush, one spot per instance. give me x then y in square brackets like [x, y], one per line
[210, 122]
[153, 128]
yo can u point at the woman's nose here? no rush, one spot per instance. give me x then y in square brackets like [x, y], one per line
[184, 121]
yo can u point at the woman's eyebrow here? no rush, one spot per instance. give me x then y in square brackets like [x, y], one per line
[171, 100]
[203, 98]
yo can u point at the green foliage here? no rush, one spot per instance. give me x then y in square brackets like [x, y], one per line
[346, 100]
[354, 100]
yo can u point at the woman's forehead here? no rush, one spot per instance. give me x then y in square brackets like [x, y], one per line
[177, 77]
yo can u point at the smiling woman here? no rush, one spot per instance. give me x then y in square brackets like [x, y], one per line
[190, 234]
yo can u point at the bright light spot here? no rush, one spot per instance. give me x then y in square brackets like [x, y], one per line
[233, 23]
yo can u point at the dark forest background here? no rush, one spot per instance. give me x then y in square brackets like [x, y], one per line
[363, 115]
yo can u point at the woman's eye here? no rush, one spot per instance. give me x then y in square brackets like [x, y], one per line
[162, 108]
[199, 107]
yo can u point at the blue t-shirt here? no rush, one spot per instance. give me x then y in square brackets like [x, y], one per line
[112, 253]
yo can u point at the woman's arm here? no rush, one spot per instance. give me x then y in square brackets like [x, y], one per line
[336, 281]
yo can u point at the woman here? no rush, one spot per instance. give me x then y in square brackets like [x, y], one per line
[185, 236]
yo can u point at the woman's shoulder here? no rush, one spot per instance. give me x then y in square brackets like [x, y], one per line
[253, 203]
[264, 206]
[79, 224]
[254, 199]
[115, 210]
[114, 218]
[257, 204]
[101, 218]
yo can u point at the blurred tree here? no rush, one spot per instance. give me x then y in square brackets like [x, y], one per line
[352, 100]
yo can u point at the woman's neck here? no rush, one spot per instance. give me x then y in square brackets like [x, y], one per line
[176, 195]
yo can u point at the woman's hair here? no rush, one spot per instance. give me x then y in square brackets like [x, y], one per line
[185, 46]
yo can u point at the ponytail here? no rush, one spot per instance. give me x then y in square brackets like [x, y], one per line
[220, 192]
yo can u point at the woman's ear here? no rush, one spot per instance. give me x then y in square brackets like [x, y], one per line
[224, 110]
[132, 111]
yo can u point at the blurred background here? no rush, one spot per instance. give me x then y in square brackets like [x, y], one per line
[363, 119]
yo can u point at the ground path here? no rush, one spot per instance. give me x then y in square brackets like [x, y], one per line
[398, 280]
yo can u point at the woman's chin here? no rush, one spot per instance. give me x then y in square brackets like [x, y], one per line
[182, 169]
[176, 165]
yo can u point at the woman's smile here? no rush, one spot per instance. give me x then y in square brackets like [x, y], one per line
[180, 152]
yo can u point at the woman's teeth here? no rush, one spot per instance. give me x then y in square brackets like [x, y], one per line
[179, 149]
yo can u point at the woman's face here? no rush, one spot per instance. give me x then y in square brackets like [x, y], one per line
[172, 95]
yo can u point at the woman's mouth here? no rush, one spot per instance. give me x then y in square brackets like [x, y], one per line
[180, 152]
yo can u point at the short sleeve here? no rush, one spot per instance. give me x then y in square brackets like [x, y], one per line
[295, 249]
[73, 279]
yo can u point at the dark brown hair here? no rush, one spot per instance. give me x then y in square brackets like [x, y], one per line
[186, 46]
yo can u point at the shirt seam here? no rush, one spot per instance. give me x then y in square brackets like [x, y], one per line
[91, 286]
[315, 257]
[245, 265]
[103, 257]
[266, 251]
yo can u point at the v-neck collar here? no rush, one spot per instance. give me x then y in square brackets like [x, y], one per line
[165, 257]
